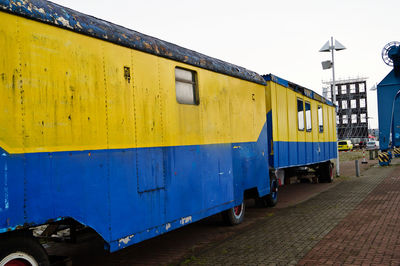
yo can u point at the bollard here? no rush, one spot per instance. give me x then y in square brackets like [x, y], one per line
[357, 169]
[364, 161]
[371, 155]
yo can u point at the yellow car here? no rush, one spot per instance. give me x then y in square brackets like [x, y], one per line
[345, 145]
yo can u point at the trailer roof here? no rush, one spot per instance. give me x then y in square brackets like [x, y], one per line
[54, 14]
[297, 88]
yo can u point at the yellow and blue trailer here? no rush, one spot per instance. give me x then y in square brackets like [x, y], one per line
[130, 135]
[301, 129]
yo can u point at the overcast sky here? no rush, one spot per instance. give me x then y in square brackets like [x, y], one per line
[279, 37]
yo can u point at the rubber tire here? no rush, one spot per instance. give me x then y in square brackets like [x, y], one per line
[271, 199]
[231, 219]
[25, 244]
[325, 173]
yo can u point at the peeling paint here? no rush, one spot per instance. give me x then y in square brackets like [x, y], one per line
[167, 226]
[186, 220]
[64, 22]
[41, 10]
[5, 179]
[125, 240]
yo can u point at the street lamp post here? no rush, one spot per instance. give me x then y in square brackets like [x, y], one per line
[331, 47]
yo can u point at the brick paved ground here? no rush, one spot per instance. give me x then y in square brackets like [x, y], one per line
[369, 234]
[306, 229]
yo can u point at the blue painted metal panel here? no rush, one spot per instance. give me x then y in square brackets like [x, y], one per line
[12, 211]
[103, 188]
[396, 123]
[150, 169]
[271, 148]
[387, 90]
[302, 153]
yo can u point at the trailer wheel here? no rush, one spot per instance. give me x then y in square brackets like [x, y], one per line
[271, 199]
[22, 251]
[234, 215]
[325, 173]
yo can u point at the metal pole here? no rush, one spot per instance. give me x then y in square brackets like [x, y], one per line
[357, 168]
[334, 102]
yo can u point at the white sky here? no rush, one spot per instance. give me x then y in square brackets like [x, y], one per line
[281, 37]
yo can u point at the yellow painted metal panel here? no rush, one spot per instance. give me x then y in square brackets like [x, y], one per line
[119, 95]
[283, 102]
[68, 92]
[63, 99]
[282, 112]
[272, 86]
[10, 94]
[148, 100]
[314, 121]
[292, 114]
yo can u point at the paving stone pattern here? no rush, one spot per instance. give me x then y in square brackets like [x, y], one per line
[286, 237]
[370, 235]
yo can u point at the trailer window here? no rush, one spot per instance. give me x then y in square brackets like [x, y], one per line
[320, 119]
[186, 86]
[308, 116]
[300, 114]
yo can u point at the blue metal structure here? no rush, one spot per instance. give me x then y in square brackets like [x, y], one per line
[389, 101]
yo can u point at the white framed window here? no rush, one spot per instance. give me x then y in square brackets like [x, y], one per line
[186, 86]
[353, 104]
[308, 116]
[344, 119]
[337, 89]
[344, 89]
[352, 88]
[363, 118]
[300, 114]
[344, 104]
[361, 87]
[362, 103]
[354, 118]
[321, 119]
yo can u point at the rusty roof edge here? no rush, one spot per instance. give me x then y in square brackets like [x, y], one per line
[57, 15]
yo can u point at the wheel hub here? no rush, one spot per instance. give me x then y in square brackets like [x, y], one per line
[18, 259]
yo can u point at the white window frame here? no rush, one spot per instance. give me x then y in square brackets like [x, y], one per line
[186, 87]
[300, 115]
[308, 116]
[320, 119]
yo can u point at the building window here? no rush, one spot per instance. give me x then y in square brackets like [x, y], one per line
[308, 116]
[344, 119]
[186, 86]
[300, 114]
[344, 89]
[353, 104]
[352, 88]
[363, 118]
[361, 87]
[362, 103]
[337, 120]
[354, 119]
[321, 119]
[344, 104]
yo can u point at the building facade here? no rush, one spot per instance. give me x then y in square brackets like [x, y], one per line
[352, 109]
